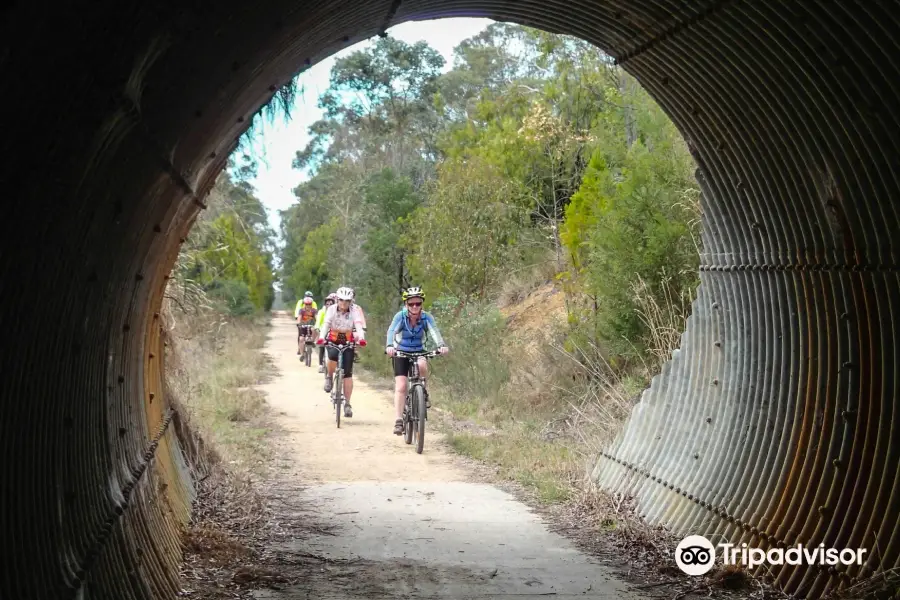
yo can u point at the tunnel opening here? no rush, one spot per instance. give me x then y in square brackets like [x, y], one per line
[774, 423]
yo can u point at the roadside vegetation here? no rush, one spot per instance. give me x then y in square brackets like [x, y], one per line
[548, 207]
[215, 314]
[215, 311]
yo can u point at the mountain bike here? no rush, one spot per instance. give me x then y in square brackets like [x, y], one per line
[305, 331]
[415, 412]
[337, 389]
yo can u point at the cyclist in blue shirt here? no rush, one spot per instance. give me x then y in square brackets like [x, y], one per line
[407, 333]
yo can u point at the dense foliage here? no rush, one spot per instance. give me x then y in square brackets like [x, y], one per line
[533, 149]
[228, 257]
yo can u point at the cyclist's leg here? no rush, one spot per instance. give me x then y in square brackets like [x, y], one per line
[423, 372]
[400, 382]
[332, 365]
[348, 381]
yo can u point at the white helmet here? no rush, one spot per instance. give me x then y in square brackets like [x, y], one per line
[345, 293]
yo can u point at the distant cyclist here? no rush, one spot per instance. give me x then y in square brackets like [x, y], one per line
[306, 320]
[407, 333]
[301, 301]
[343, 323]
[320, 323]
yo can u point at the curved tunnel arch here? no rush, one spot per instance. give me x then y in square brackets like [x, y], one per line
[777, 418]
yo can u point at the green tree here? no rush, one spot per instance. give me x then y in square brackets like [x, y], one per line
[458, 238]
[229, 252]
[631, 230]
[311, 271]
[534, 148]
[376, 106]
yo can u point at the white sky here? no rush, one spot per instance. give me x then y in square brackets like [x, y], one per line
[277, 142]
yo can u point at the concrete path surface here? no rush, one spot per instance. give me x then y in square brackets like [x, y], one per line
[408, 525]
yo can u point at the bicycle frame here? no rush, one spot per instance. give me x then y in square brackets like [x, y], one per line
[341, 348]
[337, 395]
[413, 372]
[416, 355]
[411, 415]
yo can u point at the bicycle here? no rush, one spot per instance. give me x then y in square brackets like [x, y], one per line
[415, 412]
[303, 331]
[337, 389]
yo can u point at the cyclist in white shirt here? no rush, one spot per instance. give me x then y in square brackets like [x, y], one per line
[344, 323]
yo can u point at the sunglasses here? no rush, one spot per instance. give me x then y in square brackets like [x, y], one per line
[414, 304]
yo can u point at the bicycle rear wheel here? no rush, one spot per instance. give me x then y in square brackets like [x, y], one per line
[419, 422]
[338, 395]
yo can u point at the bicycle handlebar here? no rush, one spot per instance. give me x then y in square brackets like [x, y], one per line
[428, 354]
[329, 343]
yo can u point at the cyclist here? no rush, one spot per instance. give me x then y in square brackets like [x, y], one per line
[343, 323]
[320, 320]
[306, 319]
[300, 302]
[407, 333]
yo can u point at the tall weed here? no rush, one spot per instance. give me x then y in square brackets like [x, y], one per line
[212, 363]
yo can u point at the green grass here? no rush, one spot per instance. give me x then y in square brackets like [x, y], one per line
[544, 468]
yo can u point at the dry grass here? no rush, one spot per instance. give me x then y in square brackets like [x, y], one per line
[881, 585]
[665, 321]
[212, 364]
[547, 469]
[561, 404]
[519, 283]
[558, 409]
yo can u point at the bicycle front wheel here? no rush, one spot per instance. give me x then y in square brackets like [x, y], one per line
[338, 394]
[408, 422]
[419, 422]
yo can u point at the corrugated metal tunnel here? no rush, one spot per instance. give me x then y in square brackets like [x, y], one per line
[776, 421]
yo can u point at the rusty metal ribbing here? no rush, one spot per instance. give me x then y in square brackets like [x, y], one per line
[775, 422]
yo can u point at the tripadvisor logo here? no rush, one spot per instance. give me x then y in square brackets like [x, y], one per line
[696, 555]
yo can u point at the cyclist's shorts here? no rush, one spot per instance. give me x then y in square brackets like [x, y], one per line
[348, 360]
[401, 365]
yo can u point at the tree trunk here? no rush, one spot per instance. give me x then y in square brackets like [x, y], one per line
[555, 226]
[626, 88]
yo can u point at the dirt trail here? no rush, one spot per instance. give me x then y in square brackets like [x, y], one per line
[407, 525]
[364, 448]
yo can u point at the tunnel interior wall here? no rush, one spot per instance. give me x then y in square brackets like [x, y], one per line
[775, 421]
